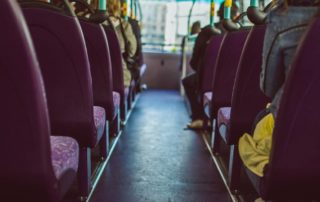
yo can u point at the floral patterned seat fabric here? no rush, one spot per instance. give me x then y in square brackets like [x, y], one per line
[64, 154]
[224, 116]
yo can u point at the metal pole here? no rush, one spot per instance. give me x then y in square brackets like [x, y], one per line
[132, 13]
[227, 9]
[254, 3]
[103, 5]
[124, 9]
[212, 12]
[189, 16]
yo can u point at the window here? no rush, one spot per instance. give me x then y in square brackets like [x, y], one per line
[165, 22]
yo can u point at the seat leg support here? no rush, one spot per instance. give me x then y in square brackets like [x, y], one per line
[115, 125]
[215, 138]
[104, 142]
[123, 111]
[234, 169]
[84, 172]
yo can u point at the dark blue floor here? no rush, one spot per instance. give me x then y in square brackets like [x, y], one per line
[157, 160]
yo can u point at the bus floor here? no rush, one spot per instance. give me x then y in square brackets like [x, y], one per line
[156, 159]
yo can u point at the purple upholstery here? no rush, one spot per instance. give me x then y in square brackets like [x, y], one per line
[225, 69]
[100, 63]
[65, 69]
[116, 99]
[99, 115]
[293, 170]
[26, 173]
[223, 117]
[247, 101]
[64, 155]
[207, 70]
[117, 69]
[247, 98]
[223, 84]
[207, 97]
[64, 62]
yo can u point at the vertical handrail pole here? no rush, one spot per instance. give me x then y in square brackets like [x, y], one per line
[227, 9]
[102, 5]
[212, 12]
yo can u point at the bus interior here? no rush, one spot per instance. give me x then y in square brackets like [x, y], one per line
[74, 128]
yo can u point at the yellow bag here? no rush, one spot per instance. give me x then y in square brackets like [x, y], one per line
[255, 150]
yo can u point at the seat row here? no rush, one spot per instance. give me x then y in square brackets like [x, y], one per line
[229, 85]
[62, 85]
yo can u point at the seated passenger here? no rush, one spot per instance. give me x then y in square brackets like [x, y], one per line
[286, 24]
[138, 57]
[114, 10]
[190, 82]
[124, 33]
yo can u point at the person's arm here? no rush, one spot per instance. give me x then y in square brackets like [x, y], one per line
[132, 42]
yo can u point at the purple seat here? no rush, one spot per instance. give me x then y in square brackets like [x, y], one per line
[35, 167]
[66, 72]
[224, 77]
[207, 70]
[100, 64]
[247, 100]
[225, 69]
[117, 70]
[101, 71]
[293, 170]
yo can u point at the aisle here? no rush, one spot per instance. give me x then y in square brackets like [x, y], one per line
[157, 160]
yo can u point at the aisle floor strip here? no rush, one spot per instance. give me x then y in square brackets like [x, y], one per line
[102, 165]
[216, 162]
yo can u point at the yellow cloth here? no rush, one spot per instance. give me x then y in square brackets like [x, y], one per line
[255, 150]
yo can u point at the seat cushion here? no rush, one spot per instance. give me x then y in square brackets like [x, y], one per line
[99, 120]
[116, 99]
[64, 155]
[207, 97]
[224, 116]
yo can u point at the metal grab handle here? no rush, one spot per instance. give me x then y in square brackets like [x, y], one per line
[233, 25]
[230, 26]
[87, 8]
[257, 16]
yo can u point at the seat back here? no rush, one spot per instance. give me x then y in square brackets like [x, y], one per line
[100, 64]
[247, 98]
[293, 170]
[225, 69]
[206, 72]
[26, 173]
[64, 63]
[116, 62]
